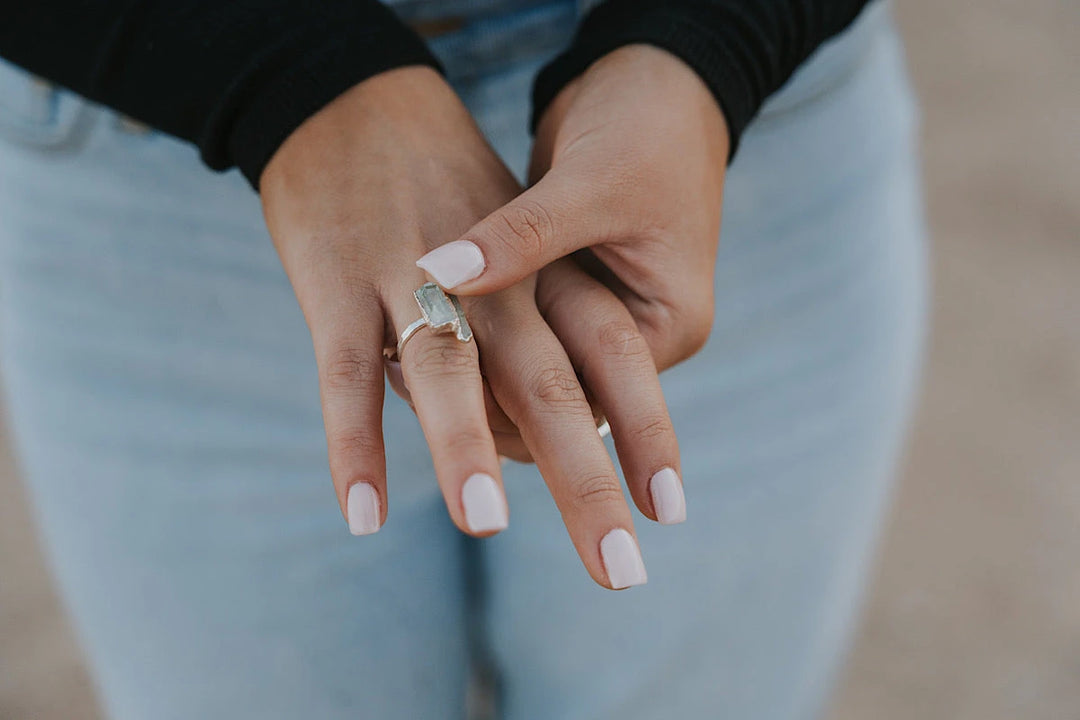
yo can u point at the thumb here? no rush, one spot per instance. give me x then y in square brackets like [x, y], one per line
[549, 220]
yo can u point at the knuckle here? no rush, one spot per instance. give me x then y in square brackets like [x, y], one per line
[682, 327]
[696, 329]
[349, 368]
[345, 260]
[556, 387]
[651, 427]
[596, 489]
[441, 359]
[526, 229]
[469, 438]
[357, 289]
[621, 339]
[354, 443]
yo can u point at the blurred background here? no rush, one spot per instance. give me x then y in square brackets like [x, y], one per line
[974, 613]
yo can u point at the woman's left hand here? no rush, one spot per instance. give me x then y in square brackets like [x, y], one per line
[629, 162]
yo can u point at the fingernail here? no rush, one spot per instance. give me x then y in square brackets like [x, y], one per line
[667, 497]
[485, 506]
[622, 559]
[453, 263]
[363, 507]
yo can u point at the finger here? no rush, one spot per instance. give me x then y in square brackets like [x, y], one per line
[508, 442]
[443, 379]
[617, 367]
[348, 353]
[397, 381]
[510, 446]
[535, 383]
[498, 422]
[558, 215]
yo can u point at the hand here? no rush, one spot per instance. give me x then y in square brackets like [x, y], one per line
[352, 198]
[629, 162]
[609, 353]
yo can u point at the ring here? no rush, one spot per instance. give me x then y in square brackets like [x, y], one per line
[440, 312]
[603, 427]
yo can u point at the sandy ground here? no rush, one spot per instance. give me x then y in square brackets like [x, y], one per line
[975, 611]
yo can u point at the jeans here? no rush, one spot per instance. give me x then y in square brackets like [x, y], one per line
[163, 400]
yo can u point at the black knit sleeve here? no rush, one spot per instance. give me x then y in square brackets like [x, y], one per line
[235, 77]
[744, 50]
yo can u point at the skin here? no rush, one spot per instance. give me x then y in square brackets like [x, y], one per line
[627, 180]
[389, 170]
[628, 175]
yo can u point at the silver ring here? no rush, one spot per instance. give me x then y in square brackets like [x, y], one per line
[440, 312]
[603, 427]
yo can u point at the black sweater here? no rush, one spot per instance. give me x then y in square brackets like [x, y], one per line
[236, 77]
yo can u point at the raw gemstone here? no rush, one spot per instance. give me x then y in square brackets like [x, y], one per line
[436, 306]
[464, 332]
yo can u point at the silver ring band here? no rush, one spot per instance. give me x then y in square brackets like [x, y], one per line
[408, 332]
[603, 427]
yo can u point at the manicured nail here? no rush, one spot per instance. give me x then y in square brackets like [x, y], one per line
[667, 497]
[485, 506]
[363, 507]
[622, 559]
[453, 263]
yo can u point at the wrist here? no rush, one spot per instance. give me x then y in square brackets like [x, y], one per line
[638, 85]
[404, 109]
[675, 27]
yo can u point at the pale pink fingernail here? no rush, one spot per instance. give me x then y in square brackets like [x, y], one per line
[453, 263]
[622, 559]
[485, 505]
[363, 507]
[667, 497]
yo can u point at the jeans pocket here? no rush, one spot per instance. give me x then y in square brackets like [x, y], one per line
[37, 114]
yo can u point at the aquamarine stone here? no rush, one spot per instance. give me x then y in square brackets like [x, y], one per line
[436, 306]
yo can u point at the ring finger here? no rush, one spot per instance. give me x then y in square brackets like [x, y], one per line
[443, 378]
[617, 365]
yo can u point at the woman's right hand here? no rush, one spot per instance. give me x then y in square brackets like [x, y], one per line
[389, 170]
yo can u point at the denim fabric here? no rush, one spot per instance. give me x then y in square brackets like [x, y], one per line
[163, 399]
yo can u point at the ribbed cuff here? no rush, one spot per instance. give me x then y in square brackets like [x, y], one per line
[343, 57]
[714, 55]
[744, 50]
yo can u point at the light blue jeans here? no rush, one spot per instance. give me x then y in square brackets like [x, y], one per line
[163, 399]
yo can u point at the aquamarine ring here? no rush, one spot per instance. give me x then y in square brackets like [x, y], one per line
[440, 312]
